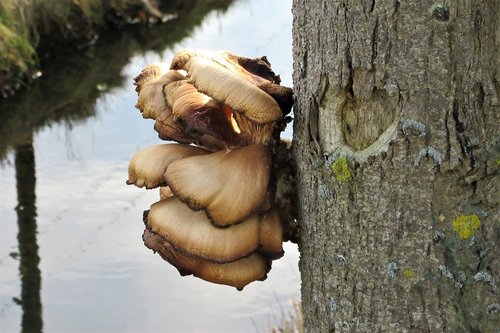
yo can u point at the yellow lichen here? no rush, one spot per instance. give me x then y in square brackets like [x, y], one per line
[408, 273]
[466, 225]
[341, 169]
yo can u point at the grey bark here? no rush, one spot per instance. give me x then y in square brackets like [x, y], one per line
[396, 143]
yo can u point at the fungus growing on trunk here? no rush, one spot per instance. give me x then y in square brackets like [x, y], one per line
[147, 166]
[229, 185]
[271, 235]
[150, 85]
[233, 90]
[192, 233]
[217, 217]
[256, 102]
[200, 114]
[237, 273]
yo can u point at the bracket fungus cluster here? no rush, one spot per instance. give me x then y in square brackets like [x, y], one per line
[217, 216]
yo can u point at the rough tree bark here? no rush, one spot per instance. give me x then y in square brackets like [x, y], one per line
[397, 150]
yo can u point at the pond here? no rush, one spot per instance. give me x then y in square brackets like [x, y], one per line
[70, 241]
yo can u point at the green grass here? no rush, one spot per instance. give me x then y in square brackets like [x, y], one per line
[17, 50]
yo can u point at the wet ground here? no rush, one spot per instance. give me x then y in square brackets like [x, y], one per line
[70, 229]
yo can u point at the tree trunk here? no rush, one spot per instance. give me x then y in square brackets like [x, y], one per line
[397, 147]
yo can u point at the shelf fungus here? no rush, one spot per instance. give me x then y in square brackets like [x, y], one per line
[217, 217]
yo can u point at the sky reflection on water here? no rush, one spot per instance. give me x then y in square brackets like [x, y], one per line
[96, 273]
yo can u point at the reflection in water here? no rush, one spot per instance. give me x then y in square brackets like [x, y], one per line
[68, 93]
[28, 248]
[80, 119]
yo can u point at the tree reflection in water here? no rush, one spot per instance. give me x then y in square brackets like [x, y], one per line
[28, 247]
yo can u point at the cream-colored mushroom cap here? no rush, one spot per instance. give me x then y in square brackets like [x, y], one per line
[192, 233]
[221, 58]
[237, 274]
[231, 89]
[229, 185]
[151, 72]
[228, 83]
[151, 101]
[148, 165]
[271, 235]
[185, 98]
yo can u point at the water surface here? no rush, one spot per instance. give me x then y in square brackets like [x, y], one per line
[70, 241]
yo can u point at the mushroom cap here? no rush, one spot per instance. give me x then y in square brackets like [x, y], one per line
[168, 128]
[151, 101]
[181, 93]
[271, 235]
[229, 185]
[192, 233]
[255, 70]
[200, 114]
[259, 67]
[172, 129]
[229, 83]
[281, 94]
[151, 72]
[148, 165]
[221, 58]
[229, 88]
[237, 274]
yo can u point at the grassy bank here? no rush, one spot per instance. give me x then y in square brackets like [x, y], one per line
[32, 29]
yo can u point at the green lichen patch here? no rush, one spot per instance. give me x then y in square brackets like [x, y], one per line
[341, 169]
[465, 225]
[408, 273]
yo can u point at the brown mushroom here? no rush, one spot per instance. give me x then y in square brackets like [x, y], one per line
[248, 87]
[229, 185]
[281, 94]
[148, 165]
[237, 274]
[200, 114]
[260, 68]
[182, 57]
[192, 233]
[271, 235]
[151, 101]
[263, 76]
[232, 89]
[153, 104]
[170, 129]
[151, 72]
[215, 218]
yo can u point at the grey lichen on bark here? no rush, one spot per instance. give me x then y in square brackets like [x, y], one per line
[396, 144]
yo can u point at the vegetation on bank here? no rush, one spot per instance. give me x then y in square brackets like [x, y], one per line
[31, 30]
[290, 322]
